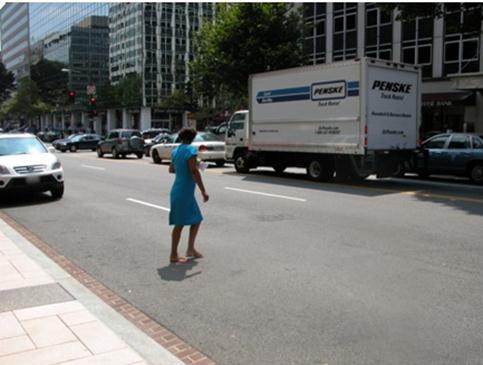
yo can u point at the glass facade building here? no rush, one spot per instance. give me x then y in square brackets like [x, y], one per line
[448, 51]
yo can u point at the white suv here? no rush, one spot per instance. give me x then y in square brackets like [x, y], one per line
[26, 164]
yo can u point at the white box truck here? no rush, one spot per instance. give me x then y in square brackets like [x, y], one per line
[349, 119]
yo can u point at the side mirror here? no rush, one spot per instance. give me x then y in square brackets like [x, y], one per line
[230, 132]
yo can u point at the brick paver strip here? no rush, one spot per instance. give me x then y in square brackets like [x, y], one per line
[186, 353]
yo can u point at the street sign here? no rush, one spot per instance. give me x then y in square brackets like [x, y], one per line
[91, 89]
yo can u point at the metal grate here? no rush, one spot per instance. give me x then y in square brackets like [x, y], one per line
[31, 169]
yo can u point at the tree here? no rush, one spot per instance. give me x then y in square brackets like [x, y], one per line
[7, 80]
[177, 100]
[410, 11]
[245, 38]
[51, 81]
[27, 102]
[128, 92]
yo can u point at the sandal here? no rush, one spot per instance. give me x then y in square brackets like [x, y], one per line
[178, 259]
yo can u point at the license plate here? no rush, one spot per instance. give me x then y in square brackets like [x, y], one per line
[33, 179]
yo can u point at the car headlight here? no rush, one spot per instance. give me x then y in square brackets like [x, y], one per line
[56, 165]
[4, 170]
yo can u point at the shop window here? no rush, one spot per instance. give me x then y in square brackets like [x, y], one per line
[451, 52]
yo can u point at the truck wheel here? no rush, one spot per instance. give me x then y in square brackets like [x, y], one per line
[241, 164]
[476, 173]
[279, 168]
[139, 155]
[320, 170]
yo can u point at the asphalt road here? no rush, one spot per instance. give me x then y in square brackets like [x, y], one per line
[384, 272]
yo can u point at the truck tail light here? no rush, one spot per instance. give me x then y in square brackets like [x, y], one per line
[202, 148]
[365, 129]
[365, 141]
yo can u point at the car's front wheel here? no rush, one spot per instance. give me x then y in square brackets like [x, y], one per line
[476, 173]
[155, 155]
[57, 193]
[73, 148]
[99, 152]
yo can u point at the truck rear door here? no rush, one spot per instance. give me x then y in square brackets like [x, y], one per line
[392, 108]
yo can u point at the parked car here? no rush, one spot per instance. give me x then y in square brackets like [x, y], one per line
[148, 144]
[459, 154]
[49, 136]
[122, 142]
[26, 164]
[149, 134]
[77, 142]
[210, 149]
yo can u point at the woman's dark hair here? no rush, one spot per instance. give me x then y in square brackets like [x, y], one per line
[186, 135]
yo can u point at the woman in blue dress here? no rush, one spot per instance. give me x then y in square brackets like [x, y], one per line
[184, 208]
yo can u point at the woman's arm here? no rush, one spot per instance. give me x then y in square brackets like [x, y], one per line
[197, 176]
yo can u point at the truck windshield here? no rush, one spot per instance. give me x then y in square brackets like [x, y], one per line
[21, 146]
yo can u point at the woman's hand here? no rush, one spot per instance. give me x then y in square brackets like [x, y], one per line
[205, 195]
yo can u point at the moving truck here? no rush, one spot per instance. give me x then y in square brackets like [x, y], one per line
[347, 119]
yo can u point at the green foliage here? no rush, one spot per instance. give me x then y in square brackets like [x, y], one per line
[128, 92]
[51, 81]
[177, 100]
[410, 11]
[245, 38]
[6, 82]
[27, 102]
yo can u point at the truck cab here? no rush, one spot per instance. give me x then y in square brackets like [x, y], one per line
[236, 138]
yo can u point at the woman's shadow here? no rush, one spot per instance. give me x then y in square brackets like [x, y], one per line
[178, 272]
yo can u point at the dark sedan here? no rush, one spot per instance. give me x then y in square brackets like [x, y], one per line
[77, 142]
[459, 154]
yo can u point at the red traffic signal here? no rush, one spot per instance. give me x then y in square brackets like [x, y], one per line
[92, 100]
[71, 95]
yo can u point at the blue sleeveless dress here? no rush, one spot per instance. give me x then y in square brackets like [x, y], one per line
[184, 208]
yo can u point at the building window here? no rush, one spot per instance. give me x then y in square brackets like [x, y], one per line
[345, 31]
[417, 44]
[314, 42]
[378, 33]
[461, 40]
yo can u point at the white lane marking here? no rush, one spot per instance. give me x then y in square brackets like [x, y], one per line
[266, 194]
[93, 167]
[148, 204]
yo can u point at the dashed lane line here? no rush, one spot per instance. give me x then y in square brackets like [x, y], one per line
[266, 194]
[148, 204]
[93, 167]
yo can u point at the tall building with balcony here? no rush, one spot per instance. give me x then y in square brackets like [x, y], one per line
[154, 41]
[448, 51]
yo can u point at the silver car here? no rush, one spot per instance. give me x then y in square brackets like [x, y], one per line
[210, 148]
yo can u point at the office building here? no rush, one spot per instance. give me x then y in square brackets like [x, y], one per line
[449, 54]
[14, 32]
[153, 40]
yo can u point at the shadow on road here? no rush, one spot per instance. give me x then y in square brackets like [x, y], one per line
[458, 194]
[13, 200]
[178, 272]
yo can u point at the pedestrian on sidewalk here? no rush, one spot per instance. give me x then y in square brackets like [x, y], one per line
[184, 208]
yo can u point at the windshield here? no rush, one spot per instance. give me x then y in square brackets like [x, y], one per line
[130, 134]
[72, 136]
[20, 146]
[206, 137]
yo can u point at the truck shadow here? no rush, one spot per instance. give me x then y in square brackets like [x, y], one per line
[458, 194]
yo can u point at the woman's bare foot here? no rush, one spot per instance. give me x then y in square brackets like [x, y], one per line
[195, 254]
[178, 259]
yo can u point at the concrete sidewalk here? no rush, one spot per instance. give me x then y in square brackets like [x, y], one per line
[47, 317]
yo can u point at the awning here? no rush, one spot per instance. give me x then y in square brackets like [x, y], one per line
[445, 99]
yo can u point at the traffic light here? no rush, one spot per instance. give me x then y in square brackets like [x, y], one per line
[71, 95]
